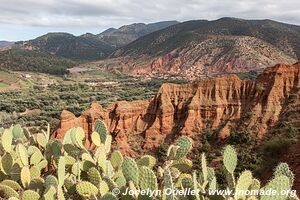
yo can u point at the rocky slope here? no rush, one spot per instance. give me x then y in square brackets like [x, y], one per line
[128, 33]
[223, 103]
[194, 49]
[5, 44]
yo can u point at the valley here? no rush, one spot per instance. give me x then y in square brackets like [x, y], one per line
[80, 106]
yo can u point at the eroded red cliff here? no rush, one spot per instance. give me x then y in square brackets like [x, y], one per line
[223, 103]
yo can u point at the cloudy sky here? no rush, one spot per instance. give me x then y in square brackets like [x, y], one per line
[26, 19]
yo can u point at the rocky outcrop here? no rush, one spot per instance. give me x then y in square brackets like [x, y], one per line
[223, 104]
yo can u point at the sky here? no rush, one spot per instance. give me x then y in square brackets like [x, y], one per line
[28, 19]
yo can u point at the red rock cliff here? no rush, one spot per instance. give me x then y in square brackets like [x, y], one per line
[223, 103]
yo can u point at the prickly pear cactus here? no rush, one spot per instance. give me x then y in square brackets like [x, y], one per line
[116, 159]
[94, 176]
[147, 160]
[130, 170]
[30, 195]
[86, 189]
[243, 184]
[283, 169]
[6, 140]
[96, 139]
[230, 159]
[147, 179]
[6, 163]
[100, 127]
[279, 184]
[184, 165]
[38, 167]
[22, 154]
[185, 144]
[25, 176]
[169, 185]
[13, 184]
[7, 192]
[61, 171]
[17, 132]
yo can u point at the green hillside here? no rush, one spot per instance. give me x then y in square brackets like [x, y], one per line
[35, 61]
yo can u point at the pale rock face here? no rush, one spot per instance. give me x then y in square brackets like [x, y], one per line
[223, 103]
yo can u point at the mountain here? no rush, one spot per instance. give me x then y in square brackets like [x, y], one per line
[89, 46]
[128, 33]
[31, 60]
[5, 44]
[66, 45]
[205, 48]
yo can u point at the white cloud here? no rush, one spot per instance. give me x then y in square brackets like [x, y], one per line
[101, 14]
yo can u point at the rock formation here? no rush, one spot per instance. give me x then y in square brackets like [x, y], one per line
[223, 104]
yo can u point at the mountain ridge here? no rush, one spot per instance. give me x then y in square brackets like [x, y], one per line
[185, 39]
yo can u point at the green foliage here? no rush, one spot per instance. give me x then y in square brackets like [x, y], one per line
[67, 170]
[116, 159]
[7, 192]
[147, 160]
[283, 170]
[230, 159]
[30, 195]
[147, 179]
[278, 184]
[86, 189]
[35, 61]
[130, 170]
[185, 144]
[101, 129]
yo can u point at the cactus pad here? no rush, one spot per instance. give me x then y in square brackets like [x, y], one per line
[6, 140]
[147, 160]
[283, 169]
[7, 192]
[279, 183]
[13, 184]
[130, 170]
[185, 144]
[103, 188]
[100, 127]
[25, 176]
[147, 179]
[17, 132]
[243, 184]
[36, 157]
[41, 139]
[96, 139]
[51, 181]
[6, 163]
[49, 193]
[169, 185]
[230, 159]
[61, 171]
[184, 165]
[30, 195]
[86, 189]
[94, 176]
[22, 154]
[116, 159]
